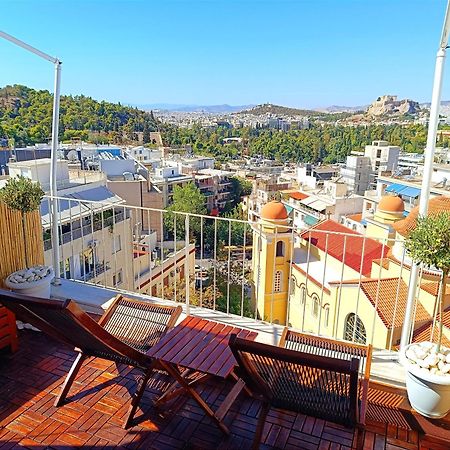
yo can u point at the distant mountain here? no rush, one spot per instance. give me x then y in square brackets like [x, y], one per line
[213, 109]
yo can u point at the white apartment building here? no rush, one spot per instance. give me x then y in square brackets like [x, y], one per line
[332, 201]
[95, 240]
[358, 173]
[383, 156]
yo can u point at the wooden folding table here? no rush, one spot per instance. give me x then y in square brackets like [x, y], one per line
[200, 346]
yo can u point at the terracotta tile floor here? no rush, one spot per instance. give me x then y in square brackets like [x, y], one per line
[98, 401]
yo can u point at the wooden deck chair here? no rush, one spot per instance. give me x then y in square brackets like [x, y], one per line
[296, 381]
[321, 346]
[123, 334]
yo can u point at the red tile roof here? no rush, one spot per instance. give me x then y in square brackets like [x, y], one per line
[383, 293]
[356, 245]
[424, 333]
[298, 195]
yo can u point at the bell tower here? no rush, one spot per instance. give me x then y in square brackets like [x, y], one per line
[272, 249]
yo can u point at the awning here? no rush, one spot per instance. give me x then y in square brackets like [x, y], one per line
[288, 208]
[410, 192]
[70, 210]
[310, 220]
[395, 188]
[318, 205]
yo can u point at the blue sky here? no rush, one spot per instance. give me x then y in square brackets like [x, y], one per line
[305, 53]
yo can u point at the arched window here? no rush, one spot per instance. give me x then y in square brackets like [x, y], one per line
[293, 285]
[315, 305]
[326, 315]
[302, 294]
[278, 281]
[280, 248]
[354, 329]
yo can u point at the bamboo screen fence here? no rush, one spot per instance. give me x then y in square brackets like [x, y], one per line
[12, 242]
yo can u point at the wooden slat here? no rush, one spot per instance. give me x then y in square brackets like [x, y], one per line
[197, 357]
[197, 343]
[167, 342]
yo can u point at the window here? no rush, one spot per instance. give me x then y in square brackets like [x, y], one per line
[326, 315]
[117, 278]
[354, 329]
[280, 248]
[302, 294]
[293, 285]
[117, 245]
[315, 305]
[64, 268]
[277, 281]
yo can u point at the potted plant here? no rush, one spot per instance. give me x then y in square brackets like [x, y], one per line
[21, 194]
[428, 365]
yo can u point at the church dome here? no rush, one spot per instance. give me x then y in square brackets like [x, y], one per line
[391, 204]
[274, 210]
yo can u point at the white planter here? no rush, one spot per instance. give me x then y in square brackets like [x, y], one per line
[429, 394]
[34, 288]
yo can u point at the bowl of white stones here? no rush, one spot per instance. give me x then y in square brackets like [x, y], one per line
[427, 378]
[34, 281]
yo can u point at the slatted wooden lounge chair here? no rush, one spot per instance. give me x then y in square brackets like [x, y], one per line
[321, 346]
[125, 332]
[298, 382]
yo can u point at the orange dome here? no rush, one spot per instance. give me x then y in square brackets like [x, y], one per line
[436, 205]
[391, 204]
[274, 211]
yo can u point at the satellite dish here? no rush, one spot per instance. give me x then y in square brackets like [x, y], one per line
[72, 156]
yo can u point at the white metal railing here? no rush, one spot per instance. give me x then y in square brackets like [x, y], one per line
[323, 292]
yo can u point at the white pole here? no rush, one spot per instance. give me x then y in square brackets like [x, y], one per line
[427, 171]
[55, 128]
[53, 170]
[187, 268]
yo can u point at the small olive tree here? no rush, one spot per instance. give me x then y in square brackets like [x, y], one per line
[22, 194]
[429, 243]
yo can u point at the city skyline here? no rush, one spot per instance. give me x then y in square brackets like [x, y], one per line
[301, 54]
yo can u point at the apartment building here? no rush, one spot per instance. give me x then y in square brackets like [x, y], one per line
[95, 240]
[358, 173]
[383, 157]
[307, 207]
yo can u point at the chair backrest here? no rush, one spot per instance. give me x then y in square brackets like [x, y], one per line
[318, 345]
[66, 321]
[315, 385]
[138, 323]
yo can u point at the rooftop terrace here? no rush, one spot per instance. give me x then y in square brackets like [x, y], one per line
[93, 416]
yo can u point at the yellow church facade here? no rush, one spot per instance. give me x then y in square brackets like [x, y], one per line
[341, 284]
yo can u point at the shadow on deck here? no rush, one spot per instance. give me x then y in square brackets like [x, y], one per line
[99, 399]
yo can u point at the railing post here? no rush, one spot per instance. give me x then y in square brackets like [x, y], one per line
[186, 264]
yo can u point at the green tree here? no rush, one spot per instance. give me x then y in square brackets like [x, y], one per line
[429, 243]
[188, 199]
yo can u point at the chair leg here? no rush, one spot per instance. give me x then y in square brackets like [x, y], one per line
[137, 398]
[70, 379]
[359, 438]
[260, 426]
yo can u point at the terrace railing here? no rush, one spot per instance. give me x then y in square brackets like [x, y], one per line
[226, 273]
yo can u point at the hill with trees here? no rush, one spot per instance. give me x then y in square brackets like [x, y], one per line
[26, 118]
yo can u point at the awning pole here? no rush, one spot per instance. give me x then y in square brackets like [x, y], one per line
[53, 172]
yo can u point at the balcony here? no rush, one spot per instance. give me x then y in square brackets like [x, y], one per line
[321, 266]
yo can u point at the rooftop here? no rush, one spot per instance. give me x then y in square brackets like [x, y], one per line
[92, 417]
[346, 245]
